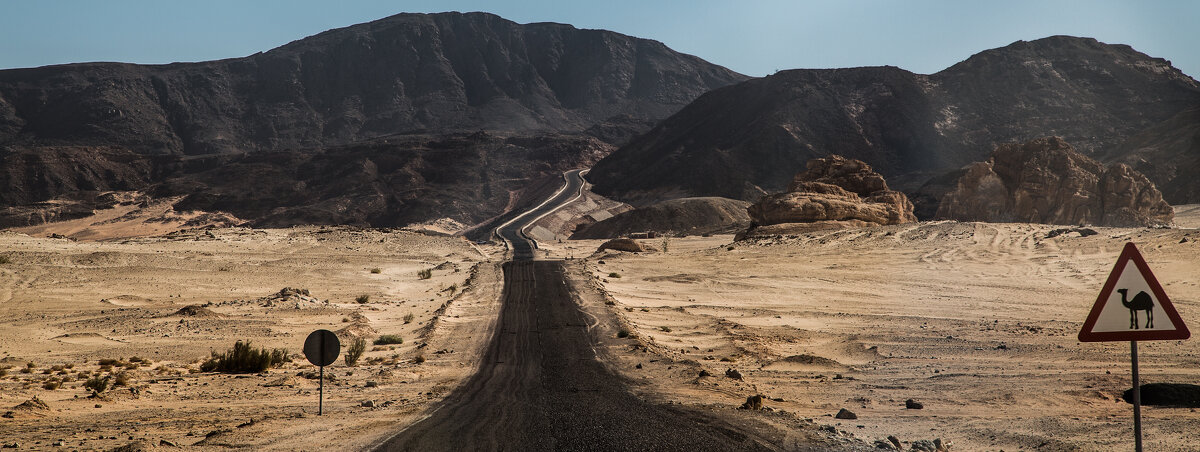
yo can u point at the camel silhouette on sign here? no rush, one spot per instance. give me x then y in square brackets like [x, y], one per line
[1140, 302]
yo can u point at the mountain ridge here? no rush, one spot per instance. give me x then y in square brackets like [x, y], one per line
[745, 140]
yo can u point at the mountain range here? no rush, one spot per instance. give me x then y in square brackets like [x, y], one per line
[745, 140]
[408, 87]
[417, 117]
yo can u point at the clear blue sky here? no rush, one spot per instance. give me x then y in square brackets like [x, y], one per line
[752, 37]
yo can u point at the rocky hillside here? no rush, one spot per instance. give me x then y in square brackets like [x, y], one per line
[745, 140]
[676, 217]
[1047, 181]
[430, 75]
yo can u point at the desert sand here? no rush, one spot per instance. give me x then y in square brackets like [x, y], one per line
[66, 305]
[975, 321]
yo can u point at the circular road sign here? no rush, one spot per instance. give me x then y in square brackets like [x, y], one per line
[322, 347]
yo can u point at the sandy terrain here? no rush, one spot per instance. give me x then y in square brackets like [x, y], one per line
[976, 321]
[66, 305]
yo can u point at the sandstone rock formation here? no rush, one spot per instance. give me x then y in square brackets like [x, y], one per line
[628, 245]
[1048, 181]
[833, 193]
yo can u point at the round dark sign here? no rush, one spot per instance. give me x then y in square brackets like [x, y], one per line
[322, 347]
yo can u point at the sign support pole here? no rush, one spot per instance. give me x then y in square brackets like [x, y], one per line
[321, 396]
[1137, 399]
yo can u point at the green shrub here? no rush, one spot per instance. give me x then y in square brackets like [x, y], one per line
[357, 347]
[96, 384]
[408, 318]
[376, 270]
[425, 274]
[389, 339]
[614, 275]
[243, 358]
[363, 299]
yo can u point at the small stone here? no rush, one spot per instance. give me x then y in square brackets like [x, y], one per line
[733, 373]
[164, 442]
[372, 384]
[12, 445]
[924, 445]
[638, 366]
[895, 441]
[704, 373]
[368, 403]
[99, 405]
[913, 404]
[754, 402]
[845, 414]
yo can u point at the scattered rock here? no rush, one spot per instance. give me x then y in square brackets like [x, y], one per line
[1083, 232]
[940, 446]
[12, 445]
[833, 193]
[629, 245]
[733, 373]
[704, 373]
[368, 404]
[754, 402]
[895, 441]
[913, 404]
[196, 310]
[924, 445]
[8, 415]
[845, 414]
[1167, 394]
[163, 442]
[1047, 181]
[884, 445]
[284, 381]
[371, 384]
[34, 404]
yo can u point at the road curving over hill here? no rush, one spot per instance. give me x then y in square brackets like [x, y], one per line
[540, 385]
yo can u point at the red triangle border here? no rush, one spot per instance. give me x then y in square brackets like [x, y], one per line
[1131, 253]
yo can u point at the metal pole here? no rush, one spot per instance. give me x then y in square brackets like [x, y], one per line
[1137, 399]
[321, 397]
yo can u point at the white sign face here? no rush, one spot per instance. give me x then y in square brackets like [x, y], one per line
[1132, 306]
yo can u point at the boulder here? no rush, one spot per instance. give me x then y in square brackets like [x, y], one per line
[832, 193]
[1048, 181]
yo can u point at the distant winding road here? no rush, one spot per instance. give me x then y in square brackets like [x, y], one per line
[540, 386]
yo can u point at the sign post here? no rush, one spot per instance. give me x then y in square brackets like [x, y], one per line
[322, 348]
[1117, 316]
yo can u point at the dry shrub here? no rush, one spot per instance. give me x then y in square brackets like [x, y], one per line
[243, 358]
[389, 339]
[355, 351]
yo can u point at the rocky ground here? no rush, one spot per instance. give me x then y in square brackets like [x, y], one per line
[976, 323]
[145, 312]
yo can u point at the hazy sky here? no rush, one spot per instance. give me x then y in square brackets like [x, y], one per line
[752, 37]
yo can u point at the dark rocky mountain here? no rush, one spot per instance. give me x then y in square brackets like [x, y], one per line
[745, 140]
[354, 90]
[1169, 154]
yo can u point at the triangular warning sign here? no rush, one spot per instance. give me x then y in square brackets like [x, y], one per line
[1132, 306]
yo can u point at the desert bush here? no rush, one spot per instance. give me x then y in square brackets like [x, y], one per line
[363, 299]
[26, 370]
[357, 347]
[139, 360]
[377, 270]
[666, 244]
[51, 384]
[389, 339]
[419, 359]
[110, 362]
[243, 358]
[614, 275]
[425, 274]
[623, 333]
[3, 373]
[4, 259]
[96, 384]
[408, 318]
[122, 379]
[57, 368]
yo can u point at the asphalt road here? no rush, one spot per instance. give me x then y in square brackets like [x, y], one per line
[540, 386]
